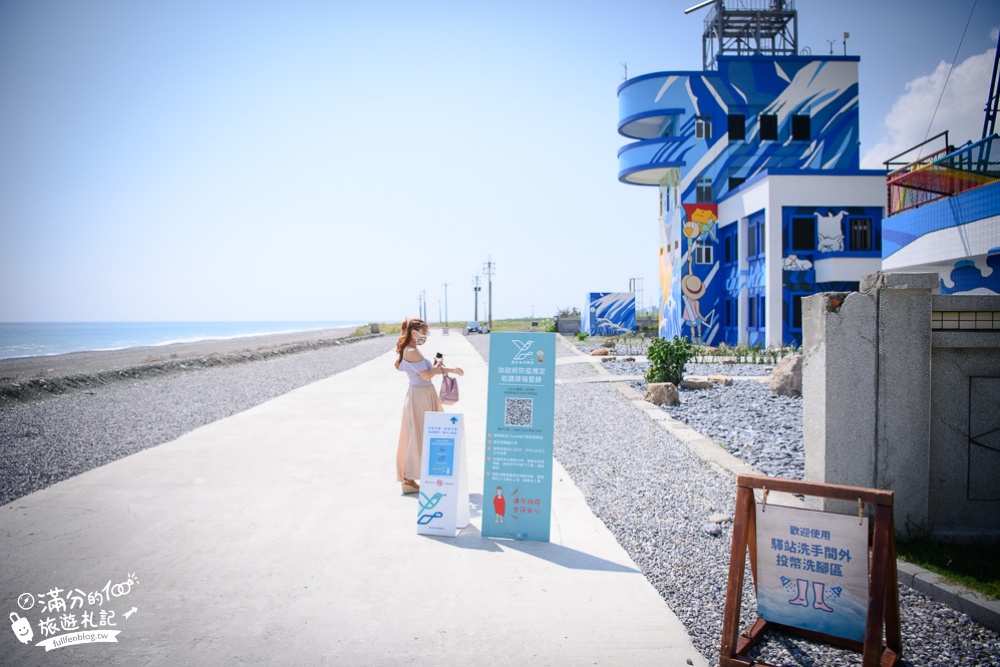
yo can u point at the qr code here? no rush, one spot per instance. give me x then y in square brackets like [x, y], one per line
[518, 412]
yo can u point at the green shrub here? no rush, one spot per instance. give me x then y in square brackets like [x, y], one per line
[582, 336]
[667, 359]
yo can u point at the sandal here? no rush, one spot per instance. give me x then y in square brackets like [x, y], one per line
[409, 486]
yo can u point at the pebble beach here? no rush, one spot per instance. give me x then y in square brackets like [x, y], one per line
[60, 417]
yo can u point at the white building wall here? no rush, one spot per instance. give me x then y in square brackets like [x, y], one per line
[772, 194]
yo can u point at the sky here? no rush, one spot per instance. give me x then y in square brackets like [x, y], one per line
[181, 160]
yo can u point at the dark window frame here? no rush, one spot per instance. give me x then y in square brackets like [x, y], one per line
[797, 235]
[703, 127]
[861, 238]
[801, 128]
[737, 127]
[768, 127]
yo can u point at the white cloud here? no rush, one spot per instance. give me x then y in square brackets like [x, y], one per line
[960, 111]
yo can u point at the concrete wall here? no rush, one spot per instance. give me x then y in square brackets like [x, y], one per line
[892, 404]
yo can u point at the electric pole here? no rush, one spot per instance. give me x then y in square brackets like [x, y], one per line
[475, 292]
[489, 269]
[446, 309]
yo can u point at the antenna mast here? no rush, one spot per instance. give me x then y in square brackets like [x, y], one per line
[748, 28]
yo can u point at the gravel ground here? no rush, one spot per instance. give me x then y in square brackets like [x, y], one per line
[655, 496]
[57, 436]
[763, 430]
[648, 488]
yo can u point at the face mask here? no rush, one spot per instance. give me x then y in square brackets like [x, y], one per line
[419, 338]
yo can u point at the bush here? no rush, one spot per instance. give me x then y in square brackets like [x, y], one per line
[667, 359]
[582, 336]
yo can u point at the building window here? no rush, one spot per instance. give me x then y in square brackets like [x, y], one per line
[737, 127]
[755, 240]
[730, 255]
[729, 313]
[803, 233]
[752, 312]
[800, 128]
[703, 190]
[703, 253]
[703, 127]
[861, 234]
[736, 181]
[797, 311]
[768, 127]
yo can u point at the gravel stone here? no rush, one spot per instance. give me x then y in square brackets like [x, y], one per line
[648, 488]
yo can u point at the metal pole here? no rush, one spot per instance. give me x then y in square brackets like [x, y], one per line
[446, 309]
[488, 270]
[475, 292]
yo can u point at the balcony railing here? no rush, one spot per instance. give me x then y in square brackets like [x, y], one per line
[944, 173]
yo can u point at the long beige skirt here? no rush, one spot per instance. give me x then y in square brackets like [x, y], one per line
[411, 431]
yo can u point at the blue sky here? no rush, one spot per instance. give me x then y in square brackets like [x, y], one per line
[176, 160]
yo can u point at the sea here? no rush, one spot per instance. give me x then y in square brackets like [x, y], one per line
[27, 339]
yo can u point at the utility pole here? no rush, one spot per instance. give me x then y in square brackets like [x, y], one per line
[423, 315]
[475, 292]
[446, 309]
[489, 269]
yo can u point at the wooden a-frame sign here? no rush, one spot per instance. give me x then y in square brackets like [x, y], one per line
[883, 593]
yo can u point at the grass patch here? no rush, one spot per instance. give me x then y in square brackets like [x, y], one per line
[973, 566]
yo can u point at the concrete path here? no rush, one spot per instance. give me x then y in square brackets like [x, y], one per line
[279, 536]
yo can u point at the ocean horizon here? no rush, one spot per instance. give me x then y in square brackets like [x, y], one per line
[42, 339]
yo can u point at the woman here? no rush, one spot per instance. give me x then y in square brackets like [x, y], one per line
[421, 398]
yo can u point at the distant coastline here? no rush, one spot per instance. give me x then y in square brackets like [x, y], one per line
[20, 340]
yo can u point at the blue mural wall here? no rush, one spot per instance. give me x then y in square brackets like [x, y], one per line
[609, 313]
[703, 134]
[970, 277]
[819, 233]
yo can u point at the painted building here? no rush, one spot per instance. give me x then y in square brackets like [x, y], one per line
[609, 313]
[944, 217]
[762, 200]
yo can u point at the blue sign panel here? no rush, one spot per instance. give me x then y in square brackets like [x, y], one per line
[519, 423]
[442, 458]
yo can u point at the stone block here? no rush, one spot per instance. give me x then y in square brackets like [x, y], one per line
[786, 380]
[662, 393]
[693, 384]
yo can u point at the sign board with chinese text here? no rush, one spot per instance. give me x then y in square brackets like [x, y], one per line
[517, 479]
[812, 570]
[443, 507]
[806, 537]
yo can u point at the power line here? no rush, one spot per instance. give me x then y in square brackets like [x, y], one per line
[950, 70]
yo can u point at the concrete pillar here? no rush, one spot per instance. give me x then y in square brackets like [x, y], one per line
[903, 446]
[838, 390]
[866, 387]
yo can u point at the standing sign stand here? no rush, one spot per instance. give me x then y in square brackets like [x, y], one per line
[807, 549]
[444, 485]
[520, 415]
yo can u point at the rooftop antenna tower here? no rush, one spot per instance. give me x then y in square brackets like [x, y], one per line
[748, 28]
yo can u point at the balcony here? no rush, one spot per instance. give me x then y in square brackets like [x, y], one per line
[945, 173]
[646, 162]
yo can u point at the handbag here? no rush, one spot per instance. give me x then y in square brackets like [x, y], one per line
[449, 390]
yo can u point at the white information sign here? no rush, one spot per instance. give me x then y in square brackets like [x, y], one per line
[812, 570]
[444, 486]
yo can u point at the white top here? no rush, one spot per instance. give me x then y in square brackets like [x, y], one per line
[413, 369]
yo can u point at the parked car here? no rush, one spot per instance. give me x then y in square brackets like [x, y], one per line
[474, 327]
